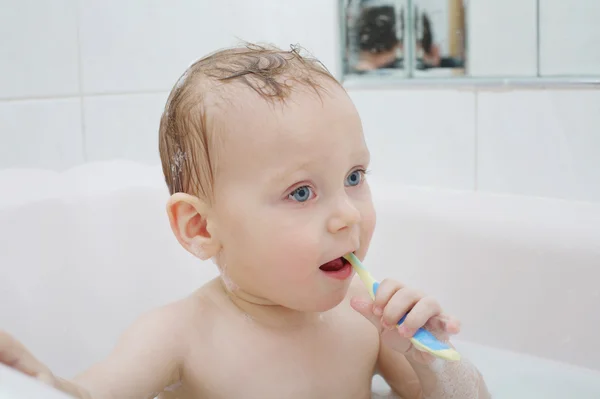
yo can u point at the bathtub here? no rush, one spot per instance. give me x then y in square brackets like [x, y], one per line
[84, 252]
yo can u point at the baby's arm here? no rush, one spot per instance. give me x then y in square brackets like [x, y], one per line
[147, 358]
[437, 380]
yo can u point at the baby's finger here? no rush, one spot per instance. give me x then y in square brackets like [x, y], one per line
[443, 324]
[384, 293]
[15, 355]
[365, 308]
[419, 315]
[400, 303]
[452, 326]
[436, 324]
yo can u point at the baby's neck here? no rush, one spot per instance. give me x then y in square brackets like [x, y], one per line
[270, 315]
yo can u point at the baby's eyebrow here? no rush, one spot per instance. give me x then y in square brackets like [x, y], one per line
[362, 156]
[283, 174]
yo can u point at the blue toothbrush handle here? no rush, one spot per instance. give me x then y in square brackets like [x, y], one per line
[423, 340]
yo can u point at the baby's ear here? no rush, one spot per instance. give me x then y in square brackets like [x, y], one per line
[192, 225]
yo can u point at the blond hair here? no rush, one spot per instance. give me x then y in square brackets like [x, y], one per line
[187, 135]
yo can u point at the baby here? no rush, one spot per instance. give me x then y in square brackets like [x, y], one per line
[265, 158]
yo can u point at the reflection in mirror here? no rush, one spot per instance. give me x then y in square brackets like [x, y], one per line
[428, 39]
[374, 38]
[380, 35]
[439, 39]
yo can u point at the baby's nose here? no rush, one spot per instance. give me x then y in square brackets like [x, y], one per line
[345, 216]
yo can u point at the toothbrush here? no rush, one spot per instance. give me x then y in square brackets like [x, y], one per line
[423, 339]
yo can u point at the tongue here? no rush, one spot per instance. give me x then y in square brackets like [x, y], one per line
[333, 266]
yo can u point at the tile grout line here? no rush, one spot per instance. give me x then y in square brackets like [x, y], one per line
[476, 146]
[537, 37]
[83, 95]
[80, 79]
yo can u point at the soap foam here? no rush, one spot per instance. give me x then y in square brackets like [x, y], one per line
[230, 285]
[177, 161]
[456, 380]
[198, 251]
[176, 165]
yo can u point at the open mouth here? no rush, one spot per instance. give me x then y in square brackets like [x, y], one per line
[335, 265]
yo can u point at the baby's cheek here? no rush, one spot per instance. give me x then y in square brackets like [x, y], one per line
[299, 246]
[368, 222]
[297, 250]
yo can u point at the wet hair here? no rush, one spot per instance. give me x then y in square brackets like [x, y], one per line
[189, 125]
[377, 29]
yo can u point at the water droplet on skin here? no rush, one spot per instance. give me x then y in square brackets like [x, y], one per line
[174, 387]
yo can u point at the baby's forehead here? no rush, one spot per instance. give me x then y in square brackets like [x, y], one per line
[244, 115]
[307, 128]
[236, 96]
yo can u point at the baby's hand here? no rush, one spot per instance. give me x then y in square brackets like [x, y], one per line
[15, 355]
[392, 301]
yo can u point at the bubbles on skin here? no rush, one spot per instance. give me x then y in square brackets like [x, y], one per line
[176, 166]
[229, 284]
[173, 387]
[227, 281]
[177, 161]
[455, 380]
[197, 251]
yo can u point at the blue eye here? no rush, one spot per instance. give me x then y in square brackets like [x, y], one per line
[354, 178]
[301, 194]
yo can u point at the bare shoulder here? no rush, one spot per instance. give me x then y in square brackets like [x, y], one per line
[169, 318]
[150, 354]
[165, 328]
[177, 318]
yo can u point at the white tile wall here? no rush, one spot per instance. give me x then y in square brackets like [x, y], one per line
[41, 134]
[132, 51]
[38, 48]
[133, 45]
[569, 38]
[123, 127]
[502, 38]
[542, 143]
[144, 45]
[420, 137]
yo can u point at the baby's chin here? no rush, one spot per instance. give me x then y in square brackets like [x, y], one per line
[323, 302]
[315, 297]
[329, 304]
